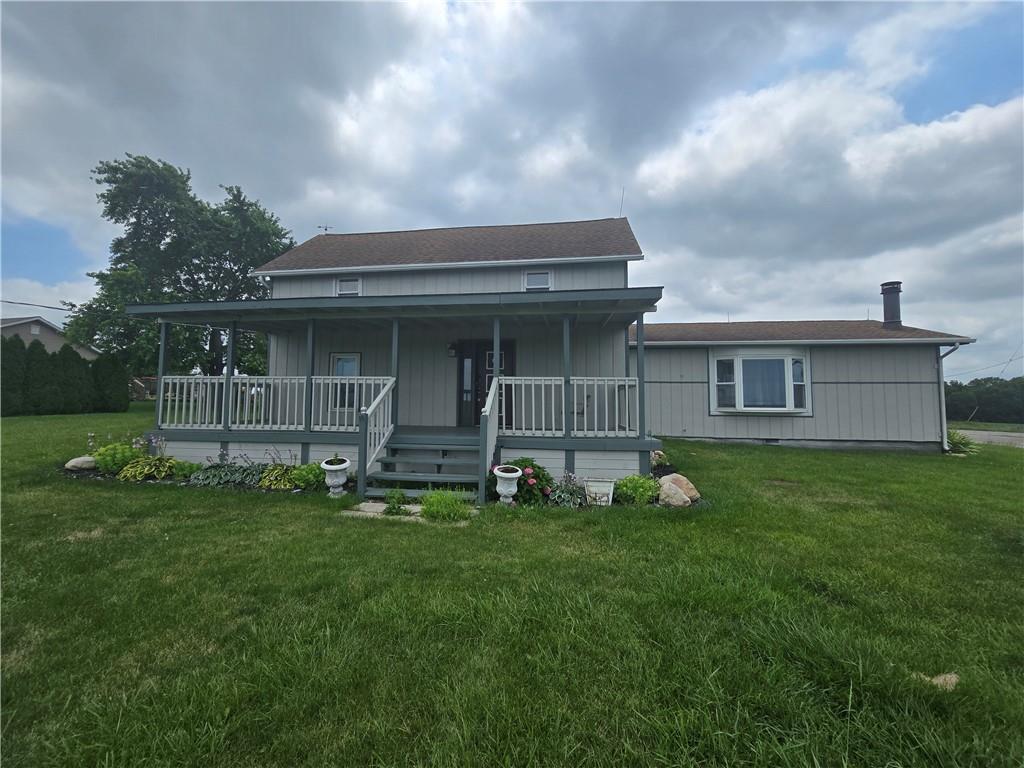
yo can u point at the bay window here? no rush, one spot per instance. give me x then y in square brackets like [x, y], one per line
[759, 380]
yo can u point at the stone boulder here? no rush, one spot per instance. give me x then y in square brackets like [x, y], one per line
[684, 485]
[671, 495]
[81, 463]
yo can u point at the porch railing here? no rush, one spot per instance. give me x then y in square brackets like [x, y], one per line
[599, 406]
[337, 400]
[605, 407]
[375, 427]
[489, 424]
[192, 402]
[531, 406]
[268, 402]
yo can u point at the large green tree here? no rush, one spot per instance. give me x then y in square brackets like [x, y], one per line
[174, 247]
[12, 376]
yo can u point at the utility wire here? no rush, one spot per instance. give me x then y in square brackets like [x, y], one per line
[30, 304]
[994, 365]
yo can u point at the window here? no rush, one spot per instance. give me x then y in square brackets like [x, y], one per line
[344, 364]
[35, 329]
[350, 286]
[537, 281]
[759, 380]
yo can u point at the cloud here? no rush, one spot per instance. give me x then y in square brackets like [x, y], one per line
[35, 292]
[768, 164]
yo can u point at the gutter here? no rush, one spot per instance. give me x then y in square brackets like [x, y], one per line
[941, 341]
[942, 394]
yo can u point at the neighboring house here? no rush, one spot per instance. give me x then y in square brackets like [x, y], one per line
[51, 336]
[425, 356]
[815, 382]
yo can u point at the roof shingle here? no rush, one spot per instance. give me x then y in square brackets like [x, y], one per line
[515, 242]
[785, 331]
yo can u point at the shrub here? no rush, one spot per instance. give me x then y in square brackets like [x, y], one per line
[277, 477]
[112, 458]
[42, 390]
[445, 506]
[12, 382]
[146, 467]
[960, 443]
[636, 489]
[534, 486]
[224, 473]
[569, 492]
[110, 382]
[395, 502]
[183, 470]
[308, 477]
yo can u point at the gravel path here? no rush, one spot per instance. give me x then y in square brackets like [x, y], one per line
[996, 438]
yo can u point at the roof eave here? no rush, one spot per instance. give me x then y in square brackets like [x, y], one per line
[939, 341]
[296, 272]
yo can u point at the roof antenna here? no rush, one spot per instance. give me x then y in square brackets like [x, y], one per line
[324, 227]
[621, 201]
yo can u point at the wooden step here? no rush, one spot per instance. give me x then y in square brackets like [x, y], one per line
[415, 493]
[424, 477]
[432, 462]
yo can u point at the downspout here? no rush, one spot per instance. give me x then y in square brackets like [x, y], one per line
[942, 396]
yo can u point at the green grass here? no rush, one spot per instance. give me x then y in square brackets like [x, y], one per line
[987, 426]
[783, 624]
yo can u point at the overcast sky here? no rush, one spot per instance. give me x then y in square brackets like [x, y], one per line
[779, 160]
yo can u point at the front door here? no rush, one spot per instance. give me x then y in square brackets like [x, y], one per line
[476, 370]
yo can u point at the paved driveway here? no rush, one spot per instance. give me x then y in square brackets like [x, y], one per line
[996, 438]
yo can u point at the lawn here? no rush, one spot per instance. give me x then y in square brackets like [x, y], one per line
[785, 623]
[987, 426]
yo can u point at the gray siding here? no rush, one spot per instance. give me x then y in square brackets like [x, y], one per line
[859, 393]
[607, 465]
[479, 280]
[427, 376]
[193, 450]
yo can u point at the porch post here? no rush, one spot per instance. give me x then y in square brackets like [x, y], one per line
[229, 367]
[496, 346]
[310, 371]
[626, 344]
[361, 468]
[567, 394]
[161, 369]
[640, 380]
[394, 372]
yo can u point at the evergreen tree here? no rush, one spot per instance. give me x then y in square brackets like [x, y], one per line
[110, 383]
[75, 381]
[12, 376]
[42, 388]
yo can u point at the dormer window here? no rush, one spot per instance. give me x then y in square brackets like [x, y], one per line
[539, 280]
[35, 329]
[350, 286]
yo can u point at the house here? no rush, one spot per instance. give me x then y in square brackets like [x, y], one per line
[838, 383]
[49, 335]
[425, 356]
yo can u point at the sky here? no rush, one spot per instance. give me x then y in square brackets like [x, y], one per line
[777, 161]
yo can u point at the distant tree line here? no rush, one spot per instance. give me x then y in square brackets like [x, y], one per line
[988, 399]
[38, 382]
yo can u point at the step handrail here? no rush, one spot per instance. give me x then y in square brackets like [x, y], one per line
[489, 422]
[375, 429]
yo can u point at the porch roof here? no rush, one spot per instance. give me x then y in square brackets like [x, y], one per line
[618, 306]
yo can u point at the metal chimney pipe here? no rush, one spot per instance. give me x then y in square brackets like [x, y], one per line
[891, 303]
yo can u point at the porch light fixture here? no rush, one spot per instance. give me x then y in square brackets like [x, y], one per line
[451, 349]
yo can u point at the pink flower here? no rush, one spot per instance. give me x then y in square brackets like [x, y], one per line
[528, 471]
[546, 491]
[531, 481]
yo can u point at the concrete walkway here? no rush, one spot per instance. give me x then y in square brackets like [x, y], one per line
[1015, 439]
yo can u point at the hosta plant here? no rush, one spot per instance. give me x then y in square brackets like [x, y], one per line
[147, 468]
[277, 477]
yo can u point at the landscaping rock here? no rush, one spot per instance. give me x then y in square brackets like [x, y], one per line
[671, 495]
[81, 463]
[946, 682]
[684, 485]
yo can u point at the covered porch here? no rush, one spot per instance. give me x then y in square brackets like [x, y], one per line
[553, 368]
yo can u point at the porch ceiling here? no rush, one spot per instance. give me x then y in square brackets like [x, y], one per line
[605, 306]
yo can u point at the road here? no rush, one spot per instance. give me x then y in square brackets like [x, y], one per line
[996, 438]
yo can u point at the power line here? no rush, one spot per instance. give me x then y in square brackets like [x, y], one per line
[30, 304]
[985, 368]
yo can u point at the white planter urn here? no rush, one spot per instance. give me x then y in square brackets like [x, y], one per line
[337, 475]
[507, 481]
[599, 491]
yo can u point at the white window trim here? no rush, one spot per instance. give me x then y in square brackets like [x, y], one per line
[357, 355]
[769, 353]
[551, 280]
[340, 280]
[335, 403]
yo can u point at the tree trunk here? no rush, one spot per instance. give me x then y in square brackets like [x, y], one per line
[215, 361]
